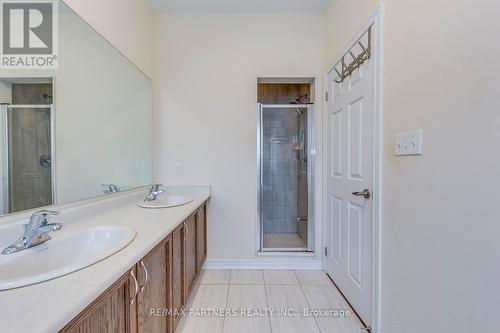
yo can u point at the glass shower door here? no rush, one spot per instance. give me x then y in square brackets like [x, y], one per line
[285, 161]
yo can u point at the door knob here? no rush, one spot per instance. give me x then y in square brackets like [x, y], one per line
[365, 193]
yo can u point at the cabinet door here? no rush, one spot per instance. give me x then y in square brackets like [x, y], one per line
[113, 311]
[177, 273]
[190, 254]
[201, 239]
[154, 286]
[168, 247]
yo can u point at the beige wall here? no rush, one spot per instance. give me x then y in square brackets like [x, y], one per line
[343, 18]
[127, 24]
[208, 66]
[440, 214]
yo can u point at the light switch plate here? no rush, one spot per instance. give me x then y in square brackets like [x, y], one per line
[409, 143]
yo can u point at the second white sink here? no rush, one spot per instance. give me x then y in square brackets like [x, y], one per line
[166, 201]
[62, 255]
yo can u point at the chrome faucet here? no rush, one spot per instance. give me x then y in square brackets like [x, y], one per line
[154, 191]
[111, 188]
[35, 232]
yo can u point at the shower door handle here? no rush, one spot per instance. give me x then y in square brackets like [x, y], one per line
[365, 193]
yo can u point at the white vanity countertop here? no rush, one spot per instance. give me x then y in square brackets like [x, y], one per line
[50, 305]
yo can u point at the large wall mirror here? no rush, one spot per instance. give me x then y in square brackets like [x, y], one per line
[80, 131]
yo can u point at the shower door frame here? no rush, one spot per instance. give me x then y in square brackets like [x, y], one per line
[311, 165]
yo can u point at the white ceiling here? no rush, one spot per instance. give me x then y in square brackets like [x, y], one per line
[239, 6]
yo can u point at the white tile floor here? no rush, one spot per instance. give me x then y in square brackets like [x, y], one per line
[260, 292]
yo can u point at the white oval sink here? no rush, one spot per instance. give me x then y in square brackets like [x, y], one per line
[166, 201]
[61, 256]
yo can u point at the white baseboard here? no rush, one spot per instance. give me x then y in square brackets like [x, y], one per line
[274, 263]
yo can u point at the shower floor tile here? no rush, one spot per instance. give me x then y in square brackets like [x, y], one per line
[291, 240]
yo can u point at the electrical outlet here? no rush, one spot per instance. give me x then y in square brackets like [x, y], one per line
[409, 143]
[178, 168]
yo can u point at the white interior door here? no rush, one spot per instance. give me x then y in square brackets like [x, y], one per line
[349, 218]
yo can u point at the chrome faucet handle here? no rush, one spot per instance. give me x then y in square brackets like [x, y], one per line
[39, 234]
[111, 188]
[40, 217]
[154, 191]
[155, 187]
[35, 232]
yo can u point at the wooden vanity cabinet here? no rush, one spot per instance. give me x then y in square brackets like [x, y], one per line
[154, 298]
[160, 282]
[178, 294]
[190, 255]
[110, 312]
[186, 259]
[201, 238]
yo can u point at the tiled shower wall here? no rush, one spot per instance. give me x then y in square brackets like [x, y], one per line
[280, 181]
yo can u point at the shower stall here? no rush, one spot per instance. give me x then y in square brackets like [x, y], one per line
[285, 177]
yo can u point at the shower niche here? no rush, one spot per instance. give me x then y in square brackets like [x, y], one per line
[286, 163]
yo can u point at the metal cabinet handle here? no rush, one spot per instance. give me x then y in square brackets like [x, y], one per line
[132, 300]
[365, 193]
[145, 273]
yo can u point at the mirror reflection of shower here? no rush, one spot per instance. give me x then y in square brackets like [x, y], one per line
[26, 144]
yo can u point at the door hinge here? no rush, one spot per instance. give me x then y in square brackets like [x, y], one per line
[326, 251]
[326, 96]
